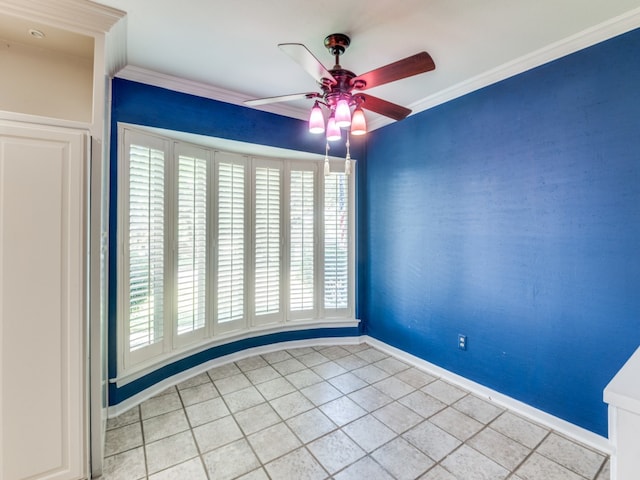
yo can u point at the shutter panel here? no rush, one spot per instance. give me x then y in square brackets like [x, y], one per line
[146, 246]
[336, 241]
[231, 241]
[267, 241]
[302, 248]
[191, 283]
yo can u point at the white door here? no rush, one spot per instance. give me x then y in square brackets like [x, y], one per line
[42, 367]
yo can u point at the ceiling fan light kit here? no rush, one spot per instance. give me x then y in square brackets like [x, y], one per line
[342, 90]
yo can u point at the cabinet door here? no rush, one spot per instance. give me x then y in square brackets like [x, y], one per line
[42, 367]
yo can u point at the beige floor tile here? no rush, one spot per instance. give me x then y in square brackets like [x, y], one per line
[414, 377]
[391, 365]
[123, 438]
[215, 434]
[370, 373]
[575, 457]
[275, 388]
[321, 393]
[501, 449]
[160, 404]
[527, 433]
[478, 409]
[369, 433]
[126, 418]
[251, 363]
[232, 383]
[342, 410]
[335, 451]
[191, 469]
[394, 387]
[432, 440]
[423, 404]
[457, 424]
[230, 461]
[267, 448]
[129, 465]
[445, 392]
[347, 383]
[397, 417]
[311, 425]
[329, 370]
[438, 473]
[164, 425]
[206, 412]
[291, 405]
[402, 460]
[537, 467]
[370, 398]
[170, 451]
[257, 418]
[223, 371]
[243, 399]
[365, 468]
[262, 374]
[470, 464]
[194, 381]
[199, 393]
[312, 413]
[304, 378]
[371, 355]
[298, 464]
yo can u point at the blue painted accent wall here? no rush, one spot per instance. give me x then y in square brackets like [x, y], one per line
[151, 106]
[512, 215]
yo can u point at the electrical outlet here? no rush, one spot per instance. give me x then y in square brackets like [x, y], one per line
[462, 341]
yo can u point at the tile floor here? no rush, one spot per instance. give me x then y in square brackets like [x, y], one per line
[334, 412]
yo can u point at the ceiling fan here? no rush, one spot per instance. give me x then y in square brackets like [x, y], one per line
[342, 89]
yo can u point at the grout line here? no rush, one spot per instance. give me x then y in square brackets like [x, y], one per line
[353, 365]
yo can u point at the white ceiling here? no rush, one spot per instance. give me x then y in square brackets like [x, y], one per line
[232, 45]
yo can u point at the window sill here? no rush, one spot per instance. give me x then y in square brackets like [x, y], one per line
[154, 364]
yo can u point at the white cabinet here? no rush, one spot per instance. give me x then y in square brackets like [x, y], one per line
[623, 396]
[43, 417]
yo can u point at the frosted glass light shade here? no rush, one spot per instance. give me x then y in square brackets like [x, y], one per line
[343, 114]
[358, 123]
[316, 119]
[333, 131]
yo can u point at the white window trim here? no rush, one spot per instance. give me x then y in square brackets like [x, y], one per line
[173, 348]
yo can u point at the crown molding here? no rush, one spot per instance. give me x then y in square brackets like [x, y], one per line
[586, 38]
[81, 16]
[183, 85]
[589, 37]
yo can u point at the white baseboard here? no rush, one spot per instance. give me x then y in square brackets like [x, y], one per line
[559, 425]
[168, 382]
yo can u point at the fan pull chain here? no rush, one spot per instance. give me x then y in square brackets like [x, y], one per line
[327, 170]
[347, 160]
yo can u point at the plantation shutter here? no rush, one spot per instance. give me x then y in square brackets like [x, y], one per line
[336, 241]
[231, 241]
[191, 248]
[302, 241]
[146, 248]
[267, 240]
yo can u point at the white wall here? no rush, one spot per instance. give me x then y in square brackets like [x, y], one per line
[44, 82]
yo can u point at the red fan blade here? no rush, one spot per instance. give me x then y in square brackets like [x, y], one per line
[281, 98]
[388, 109]
[407, 67]
[307, 61]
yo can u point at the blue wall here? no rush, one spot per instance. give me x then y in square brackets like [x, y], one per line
[147, 105]
[512, 215]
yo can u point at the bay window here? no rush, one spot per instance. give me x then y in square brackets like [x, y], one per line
[215, 245]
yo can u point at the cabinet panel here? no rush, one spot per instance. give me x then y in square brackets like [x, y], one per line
[42, 399]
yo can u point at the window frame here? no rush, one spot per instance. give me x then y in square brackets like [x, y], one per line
[132, 365]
